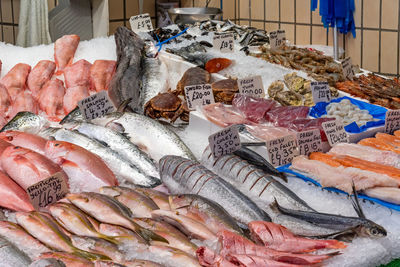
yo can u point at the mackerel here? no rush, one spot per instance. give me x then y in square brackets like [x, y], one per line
[183, 176]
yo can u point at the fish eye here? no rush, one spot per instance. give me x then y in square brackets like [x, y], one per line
[56, 144]
[10, 138]
[374, 231]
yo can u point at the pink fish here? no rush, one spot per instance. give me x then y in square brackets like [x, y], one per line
[73, 96]
[64, 51]
[26, 140]
[85, 170]
[40, 74]
[5, 99]
[77, 74]
[13, 197]
[256, 261]
[101, 73]
[27, 167]
[15, 79]
[24, 102]
[2, 121]
[51, 97]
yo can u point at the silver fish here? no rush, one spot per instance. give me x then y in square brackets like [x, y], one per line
[12, 256]
[26, 122]
[51, 262]
[183, 176]
[149, 135]
[121, 167]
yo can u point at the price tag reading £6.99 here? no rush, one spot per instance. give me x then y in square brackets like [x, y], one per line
[224, 42]
[281, 151]
[199, 95]
[392, 121]
[347, 68]
[141, 23]
[309, 141]
[96, 105]
[224, 142]
[335, 132]
[277, 39]
[252, 86]
[320, 92]
[48, 191]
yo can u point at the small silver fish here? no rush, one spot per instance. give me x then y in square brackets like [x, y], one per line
[14, 258]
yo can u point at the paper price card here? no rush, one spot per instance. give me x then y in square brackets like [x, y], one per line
[321, 92]
[309, 141]
[47, 191]
[199, 95]
[97, 105]
[224, 142]
[141, 23]
[335, 132]
[281, 151]
[392, 121]
[224, 42]
[347, 69]
[277, 39]
[252, 86]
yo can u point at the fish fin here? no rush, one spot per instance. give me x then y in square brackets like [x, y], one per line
[356, 203]
[337, 235]
[150, 235]
[89, 255]
[124, 105]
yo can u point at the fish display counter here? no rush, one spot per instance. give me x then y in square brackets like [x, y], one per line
[106, 158]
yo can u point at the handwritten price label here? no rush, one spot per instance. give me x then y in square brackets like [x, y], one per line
[199, 95]
[309, 141]
[335, 132]
[97, 105]
[224, 142]
[277, 39]
[321, 92]
[47, 191]
[347, 69]
[392, 121]
[224, 42]
[141, 23]
[281, 151]
[252, 86]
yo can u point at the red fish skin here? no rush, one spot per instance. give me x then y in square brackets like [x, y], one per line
[40, 74]
[51, 98]
[64, 51]
[15, 79]
[26, 140]
[208, 258]
[256, 261]
[101, 73]
[23, 102]
[73, 96]
[77, 74]
[5, 99]
[27, 167]
[13, 197]
[279, 238]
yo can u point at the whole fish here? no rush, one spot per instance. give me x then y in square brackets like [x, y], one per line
[67, 258]
[12, 195]
[120, 167]
[50, 262]
[106, 209]
[27, 140]
[160, 198]
[183, 176]
[121, 144]
[12, 256]
[139, 204]
[117, 231]
[208, 212]
[132, 263]
[26, 122]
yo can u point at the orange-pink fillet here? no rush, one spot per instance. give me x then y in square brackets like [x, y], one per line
[101, 73]
[77, 74]
[73, 96]
[15, 79]
[64, 51]
[23, 102]
[51, 97]
[40, 74]
[5, 99]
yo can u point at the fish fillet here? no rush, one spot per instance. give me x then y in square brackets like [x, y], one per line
[388, 194]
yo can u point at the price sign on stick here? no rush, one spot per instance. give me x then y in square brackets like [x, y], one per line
[392, 121]
[224, 42]
[141, 23]
[277, 39]
[335, 132]
[281, 151]
[320, 92]
[96, 105]
[252, 86]
[347, 68]
[309, 141]
[199, 95]
[224, 142]
[47, 191]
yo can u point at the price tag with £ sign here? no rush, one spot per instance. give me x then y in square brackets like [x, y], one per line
[277, 39]
[281, 151]
[199, 95]
[392, 121]
[252, 86]
[95, 106]
[335, 132]
[321, 92]
[141, 23]
[224, 42]
[309, 141]
[224, 142]
[347, 68]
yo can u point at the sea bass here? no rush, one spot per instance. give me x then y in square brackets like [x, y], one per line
[183, 176]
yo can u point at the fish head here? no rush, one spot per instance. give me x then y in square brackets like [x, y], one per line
[26, 122]
[372, 230]
[179, 201]
[15, 152]
[57, 149]
[9, 136]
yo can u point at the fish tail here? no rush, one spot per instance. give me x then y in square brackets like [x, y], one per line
[89, 255]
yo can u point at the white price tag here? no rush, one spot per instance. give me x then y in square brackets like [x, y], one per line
[225, 141]
[96, 105]
[281, 151]
[199, 95]
[141, 23]
[224, 42]
[321, 92]
[335, 132]
[392, 121]
[347, 68]
[47, 191]
[277, 39]
[309, 141]
[252, 86]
